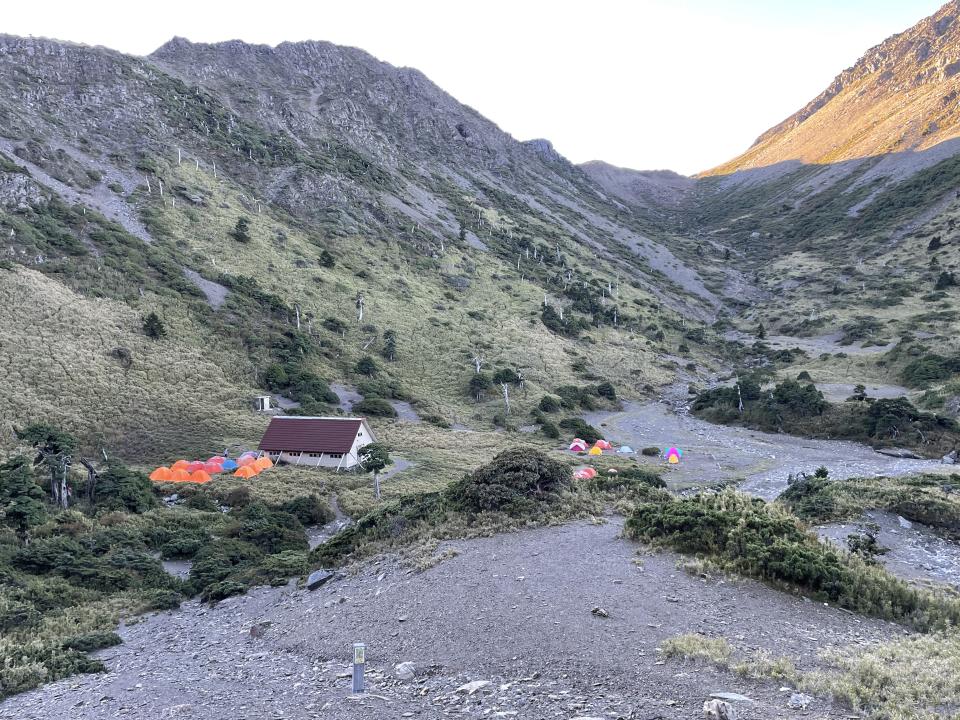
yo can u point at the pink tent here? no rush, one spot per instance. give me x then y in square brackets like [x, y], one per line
[578, 445]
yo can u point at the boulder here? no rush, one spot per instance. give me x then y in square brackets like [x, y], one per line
[318, 578]
[799, 701]
[719, 710]
[471, 687]
[405, 670]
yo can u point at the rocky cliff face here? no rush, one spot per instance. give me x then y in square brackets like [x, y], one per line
[900, 97]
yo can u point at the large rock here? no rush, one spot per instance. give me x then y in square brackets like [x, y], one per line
[405, 670]
[318, 578]
[799, 701]
[719, 710]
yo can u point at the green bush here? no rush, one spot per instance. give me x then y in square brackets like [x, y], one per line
[549, 403]
[374, 407]
[309, 510]
[92, 641]
[651, 451]
[121, 488]
[765, 541]
[579, 428]
[515, 481]
[550, 429]
[271, 531]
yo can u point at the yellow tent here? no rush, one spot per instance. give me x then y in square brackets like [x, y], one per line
[595, 451]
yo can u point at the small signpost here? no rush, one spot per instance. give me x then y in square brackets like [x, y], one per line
[359, 658]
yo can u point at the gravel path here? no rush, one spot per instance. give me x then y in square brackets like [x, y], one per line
[712, 453]
[513, 610]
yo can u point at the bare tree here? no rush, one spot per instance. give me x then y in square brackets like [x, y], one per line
[359, 305]
[478, 360]
[506, 395]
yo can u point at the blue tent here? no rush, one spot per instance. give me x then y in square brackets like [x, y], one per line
[229, 464]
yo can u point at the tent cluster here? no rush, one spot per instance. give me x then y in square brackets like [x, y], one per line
[202, 471]
[578, 445]
[599, 446]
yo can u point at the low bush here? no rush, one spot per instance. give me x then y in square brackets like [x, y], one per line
[581, 429]
[763, 540]
[514, 482]
[309, 510]
[374, 407]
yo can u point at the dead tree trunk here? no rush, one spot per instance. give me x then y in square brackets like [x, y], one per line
[92, 477]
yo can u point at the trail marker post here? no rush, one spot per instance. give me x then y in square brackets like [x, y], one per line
[359, 659]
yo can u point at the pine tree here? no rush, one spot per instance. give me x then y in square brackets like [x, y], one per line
[21, 499]
[153, 327]
[241, 231]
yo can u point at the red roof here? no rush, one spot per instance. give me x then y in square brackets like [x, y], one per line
[307, 434]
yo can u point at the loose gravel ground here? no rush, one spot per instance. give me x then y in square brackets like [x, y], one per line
[764, 461]
[513, 610]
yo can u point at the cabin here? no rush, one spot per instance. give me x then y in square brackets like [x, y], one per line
[331, 442]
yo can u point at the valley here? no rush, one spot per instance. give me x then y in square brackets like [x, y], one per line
[188, 233]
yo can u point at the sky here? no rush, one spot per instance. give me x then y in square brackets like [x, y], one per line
[646, 84]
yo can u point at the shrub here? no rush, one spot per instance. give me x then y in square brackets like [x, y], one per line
[121, 488]
[309, 510]
[606, 390]
[515, 481]
[375, 406]
[581, 429]
[221, 590]
[765, 541]
[549, 403]
[326, 259]
[271, 531]
[366, 366]
[219, 559]
[550, 429]
[241, 231]
[92, 641]
[651, 451]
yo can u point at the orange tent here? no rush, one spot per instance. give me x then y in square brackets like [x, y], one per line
[179, 475]
[199, 477]
[180, 465]
[245, 472]
[161, 474]
[263, 463]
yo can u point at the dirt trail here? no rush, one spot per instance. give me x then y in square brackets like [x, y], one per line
[714, 453]
[514, 610]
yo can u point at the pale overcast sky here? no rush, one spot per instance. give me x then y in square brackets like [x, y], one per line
[680, 84]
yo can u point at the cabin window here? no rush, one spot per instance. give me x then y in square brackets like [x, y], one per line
[316, 455]
[336, 456]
